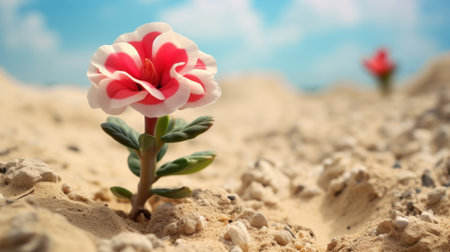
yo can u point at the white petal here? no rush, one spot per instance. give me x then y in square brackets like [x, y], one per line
[99, 58]
[209, 61]
[143, 30]
[180, 42]
[98, 98]
[92, 97]
[212, 89]
[94, 76]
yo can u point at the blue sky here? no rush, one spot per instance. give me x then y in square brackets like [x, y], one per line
[311, 42]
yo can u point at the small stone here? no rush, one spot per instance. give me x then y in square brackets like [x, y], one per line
[427, 181]
[401, 222]
[384, 227]
[309, 192]
[405, 176]
[201, 223]
[239, 235]
[73, 148]
[187, 225]
[397, 165]
[410, 236]
[283, 237]
[27, 172]
[129, 241]
[66, 188]
[236, 249]
[231, 197]
[258, 220]
[426, 216]
[435, 195]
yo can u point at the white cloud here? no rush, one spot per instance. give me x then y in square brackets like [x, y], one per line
[25, 31]
[216, 20]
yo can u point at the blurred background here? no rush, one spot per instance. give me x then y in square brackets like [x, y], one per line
[312, 43]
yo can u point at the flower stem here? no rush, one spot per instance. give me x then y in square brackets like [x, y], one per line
[147, 176]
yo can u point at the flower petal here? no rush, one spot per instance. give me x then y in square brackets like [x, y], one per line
[206, 62]
[143, 31]
[143, 37]
[98, 98]
[94, 75]
[117, 57]
[211, 88]
[176, 91]
[171, 48]
[144, 84]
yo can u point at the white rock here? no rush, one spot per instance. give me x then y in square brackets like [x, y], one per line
[258, 220]
[236, 249]
[283, 237]
[188, 225]
[129, 241]
[27, 172]
[309, 192]
[201, 223]
[401, 222]
[405, 176]
[435, 195]
[239, 235]
[426, 216]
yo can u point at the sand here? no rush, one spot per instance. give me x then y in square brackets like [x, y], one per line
[342, 170]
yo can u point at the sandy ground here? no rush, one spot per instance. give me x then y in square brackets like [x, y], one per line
[343, 170]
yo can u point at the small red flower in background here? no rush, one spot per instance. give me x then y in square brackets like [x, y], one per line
[380, 64]
[154, 70]
[382, 68]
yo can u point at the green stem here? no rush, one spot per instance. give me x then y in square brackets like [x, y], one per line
[147, 178]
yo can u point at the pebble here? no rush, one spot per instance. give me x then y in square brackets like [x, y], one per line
[258, 220]
[236, 249]
[435, 195]
[401, 222]
[239, 235]
[309, 192]
[427, 181]
[27, 172]
[404, 176]
[283, 237]
[187, 225]
[426, 216]
[66, 188]
[397, 165]
[130, 242]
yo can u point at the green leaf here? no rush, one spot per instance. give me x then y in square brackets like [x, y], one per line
[189, 131]
[146, 141]
[161, 127]
[121, 192]
[187, 165]
[177, 193]
[121, 135]
[162, 152]
[178, 123]
[124, 125]
[134, 163]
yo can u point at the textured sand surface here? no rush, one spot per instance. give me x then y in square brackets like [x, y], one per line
[343, 170]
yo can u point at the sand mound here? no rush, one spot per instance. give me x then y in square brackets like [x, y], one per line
[339, 171]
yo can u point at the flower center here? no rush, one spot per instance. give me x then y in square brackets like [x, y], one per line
[149, 73]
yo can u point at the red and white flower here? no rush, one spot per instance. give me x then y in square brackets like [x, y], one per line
[154, 70]
[380, 65]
